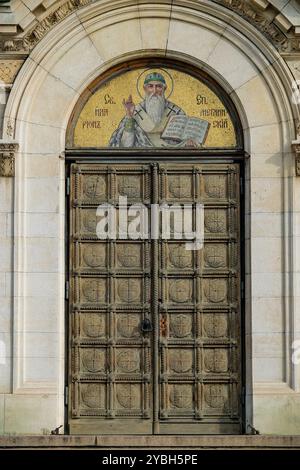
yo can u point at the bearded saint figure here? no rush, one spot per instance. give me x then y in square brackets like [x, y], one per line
[144, 123]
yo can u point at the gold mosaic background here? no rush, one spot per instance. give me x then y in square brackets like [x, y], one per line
[104, 110]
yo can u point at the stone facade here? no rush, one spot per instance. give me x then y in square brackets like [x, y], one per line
[44, 69]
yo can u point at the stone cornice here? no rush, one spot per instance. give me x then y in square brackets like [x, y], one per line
[265, 20]
[45, 24]
[7, 157]
[266, 24]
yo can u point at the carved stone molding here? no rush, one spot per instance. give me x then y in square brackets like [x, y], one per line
[296, 147]
[9, 70]
[28, 42]
[13, 45]
[294, 66]
[7, 158]
[284, 43]
[262, 21]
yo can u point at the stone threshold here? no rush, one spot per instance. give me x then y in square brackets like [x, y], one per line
[154, 442]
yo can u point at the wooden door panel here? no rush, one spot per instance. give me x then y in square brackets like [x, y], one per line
[110, 358]
[185, 375]
[199, 344]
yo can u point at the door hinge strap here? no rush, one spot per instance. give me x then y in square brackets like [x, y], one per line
[242, 290]
[67, 289]
[68, 186]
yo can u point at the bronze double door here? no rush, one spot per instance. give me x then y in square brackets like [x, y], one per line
[154, 329]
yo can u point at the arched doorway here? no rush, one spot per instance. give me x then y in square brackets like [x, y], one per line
[154, 326]
[259, 82]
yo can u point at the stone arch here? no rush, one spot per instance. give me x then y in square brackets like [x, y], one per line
[59, 68]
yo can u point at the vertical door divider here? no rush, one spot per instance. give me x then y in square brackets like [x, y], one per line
[154, 242]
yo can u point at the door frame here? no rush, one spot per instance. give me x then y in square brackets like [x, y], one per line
[102, 157]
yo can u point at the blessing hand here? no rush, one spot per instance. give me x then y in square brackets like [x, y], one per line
[129, 106]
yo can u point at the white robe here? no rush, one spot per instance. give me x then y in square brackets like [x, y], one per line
[144, 132]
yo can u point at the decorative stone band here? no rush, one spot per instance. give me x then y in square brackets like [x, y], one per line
[9, 70]
[7, 158]
[296, 147]
[263, 22]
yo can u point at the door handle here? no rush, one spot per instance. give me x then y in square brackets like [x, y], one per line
[146, 325]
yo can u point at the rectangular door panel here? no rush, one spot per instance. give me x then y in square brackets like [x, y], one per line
[110, 378]
[182, 374]
[199, 342]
